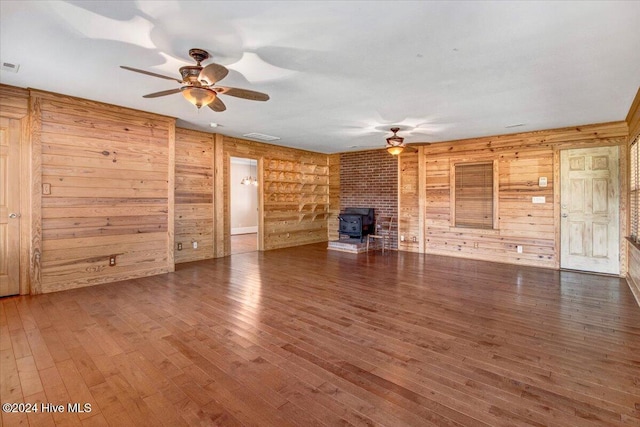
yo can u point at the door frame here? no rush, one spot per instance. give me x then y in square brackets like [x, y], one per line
[227, 197]
[623, 196]
[25, 200]
[259, 203]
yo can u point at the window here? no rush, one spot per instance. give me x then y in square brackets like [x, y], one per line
[634, 189]
[473, 195]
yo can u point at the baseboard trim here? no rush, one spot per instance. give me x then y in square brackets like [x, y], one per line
[244, 230]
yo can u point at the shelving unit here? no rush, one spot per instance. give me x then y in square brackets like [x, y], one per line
[289, 181]
[296, 199]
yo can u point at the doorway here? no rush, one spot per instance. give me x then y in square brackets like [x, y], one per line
[244, 205]
[590, 210]
[10, 135]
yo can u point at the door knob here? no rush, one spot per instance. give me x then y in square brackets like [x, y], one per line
[14, 215]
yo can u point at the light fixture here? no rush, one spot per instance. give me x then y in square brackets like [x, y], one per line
[395, 150]
[395, 143]
[250, 179]
[198, 96]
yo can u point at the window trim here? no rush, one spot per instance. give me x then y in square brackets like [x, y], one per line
[634, 187]
[452, 196]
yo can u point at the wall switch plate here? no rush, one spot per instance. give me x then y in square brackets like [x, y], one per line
[402, 238]
[179, 246]
[112, 260]
[542, 181]
[539, 199]
[195, 245]
[519, 249]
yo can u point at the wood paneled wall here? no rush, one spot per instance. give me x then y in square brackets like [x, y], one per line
[409, 202]
[106, 180]
[105, 188]
[14, 102]
[633, 118]
[194, 210]
[334, 197]
[293, 189]
[633, 274]
[521, 159]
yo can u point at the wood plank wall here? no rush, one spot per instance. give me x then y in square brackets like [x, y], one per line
[334, 197]
[294, 189]
[194, 210]
[633, 274]
[633, 118]
[522, 159]
[14, 102]
[107, 180]
[409, 202]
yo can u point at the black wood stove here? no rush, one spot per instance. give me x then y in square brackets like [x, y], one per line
[356, 222]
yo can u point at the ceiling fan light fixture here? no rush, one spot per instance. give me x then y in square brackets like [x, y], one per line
[395, 150]
[395, 143]
[198, 96]
[198, 84]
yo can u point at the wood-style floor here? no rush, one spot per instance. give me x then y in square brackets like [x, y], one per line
[310, 337]
[243, 243]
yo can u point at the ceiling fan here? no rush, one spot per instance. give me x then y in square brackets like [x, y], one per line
[199, 83]
[395, 143]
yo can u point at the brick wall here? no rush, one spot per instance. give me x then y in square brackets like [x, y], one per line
[369, 179]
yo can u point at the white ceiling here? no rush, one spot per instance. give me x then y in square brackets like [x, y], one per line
[341, 73]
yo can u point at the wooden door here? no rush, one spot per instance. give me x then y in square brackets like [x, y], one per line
[590, 210]
[9, 206]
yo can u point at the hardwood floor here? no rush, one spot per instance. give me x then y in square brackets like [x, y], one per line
[243, 243]
[310, 337]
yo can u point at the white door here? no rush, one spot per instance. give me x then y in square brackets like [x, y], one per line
[9, 206]
[590, 218]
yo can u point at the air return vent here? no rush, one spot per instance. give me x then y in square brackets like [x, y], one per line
[8, 66]
[261, 136]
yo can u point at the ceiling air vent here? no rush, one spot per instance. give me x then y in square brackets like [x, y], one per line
[261, 136]
[12, 68]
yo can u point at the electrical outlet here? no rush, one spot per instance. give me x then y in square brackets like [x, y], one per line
[179, 246]
[112, 260]
[475, 245]
[46, 189]
[195, 245]
[519, 249]
[402, 238]
[415, 239]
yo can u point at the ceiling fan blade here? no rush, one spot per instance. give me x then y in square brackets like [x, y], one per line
[149, 73]
[213, 73]
[217, 105]
[242, 93]
[162, 93]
